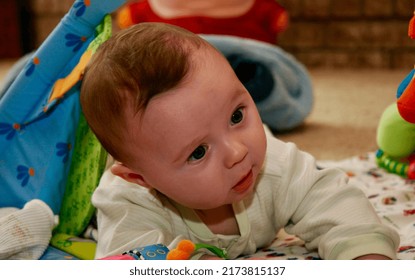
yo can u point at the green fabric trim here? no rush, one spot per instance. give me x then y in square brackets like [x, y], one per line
[87, 165]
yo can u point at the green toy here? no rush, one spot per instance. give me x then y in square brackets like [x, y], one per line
[395, 138]
[396, 129]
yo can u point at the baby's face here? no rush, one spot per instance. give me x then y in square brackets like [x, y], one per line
[202, 144]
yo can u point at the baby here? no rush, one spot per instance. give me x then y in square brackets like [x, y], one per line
[194, 161]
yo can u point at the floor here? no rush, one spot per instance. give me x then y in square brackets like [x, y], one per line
[348, 105]
[5, 64]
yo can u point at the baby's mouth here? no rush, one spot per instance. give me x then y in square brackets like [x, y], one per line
[244, 183]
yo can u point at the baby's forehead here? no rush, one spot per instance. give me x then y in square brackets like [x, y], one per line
[199, 57]
[207, 95]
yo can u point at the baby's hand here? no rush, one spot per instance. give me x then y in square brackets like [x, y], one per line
[373, 257]
[209, 257]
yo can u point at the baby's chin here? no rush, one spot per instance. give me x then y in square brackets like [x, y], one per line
[217, 202]
[212, 206]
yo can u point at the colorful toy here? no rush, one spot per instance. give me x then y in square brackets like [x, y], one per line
[261, 20]
[183, 251]
[186, 248]
[396, 130]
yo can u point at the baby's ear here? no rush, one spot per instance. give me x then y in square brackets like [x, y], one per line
[120, 170]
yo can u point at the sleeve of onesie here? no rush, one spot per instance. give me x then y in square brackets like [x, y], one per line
[129, 216]
[323, 209]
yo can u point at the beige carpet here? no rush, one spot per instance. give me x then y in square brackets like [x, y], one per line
[348, 105]
[4, 67]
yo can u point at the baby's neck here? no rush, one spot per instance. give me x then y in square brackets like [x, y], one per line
[220, 220]
[211, 8]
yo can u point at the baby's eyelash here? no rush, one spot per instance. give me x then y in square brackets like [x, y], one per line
[198, 154]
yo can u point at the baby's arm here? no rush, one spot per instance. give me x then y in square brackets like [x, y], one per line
[343, 221]
[128, 217]
[328, 213]
[209, 257]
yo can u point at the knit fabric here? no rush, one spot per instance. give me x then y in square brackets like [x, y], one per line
[25, 233]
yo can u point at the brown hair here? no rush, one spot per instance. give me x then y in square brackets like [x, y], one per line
[127, 71]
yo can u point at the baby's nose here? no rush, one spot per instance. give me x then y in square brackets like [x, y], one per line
[236, 152]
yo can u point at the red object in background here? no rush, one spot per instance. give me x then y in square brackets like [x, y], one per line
[409, 212]
[10, 36]
[411, 170]
[263, 21]
[411, 28]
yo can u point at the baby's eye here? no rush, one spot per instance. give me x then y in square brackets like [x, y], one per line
[237, 116]
[198, 153]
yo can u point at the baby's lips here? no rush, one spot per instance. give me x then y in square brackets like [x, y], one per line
[245, 183]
